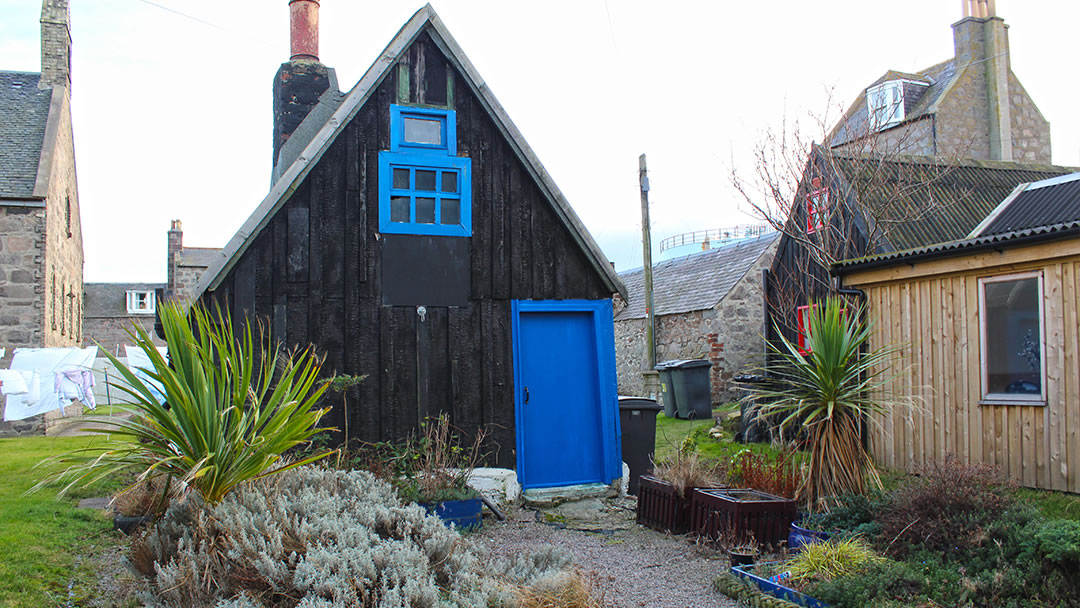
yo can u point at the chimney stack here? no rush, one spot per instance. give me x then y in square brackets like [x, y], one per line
[300, 81]
[176, 245]
[981, 40]
[55, 44]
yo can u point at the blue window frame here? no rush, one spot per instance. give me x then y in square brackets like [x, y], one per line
[424, 188]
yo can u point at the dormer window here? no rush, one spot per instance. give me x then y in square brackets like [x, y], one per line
[140, 302]
[885, 104]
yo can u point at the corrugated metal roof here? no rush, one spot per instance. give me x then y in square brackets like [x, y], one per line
[695, 282]
[927, 200]
[1055, 201]
[25, 111]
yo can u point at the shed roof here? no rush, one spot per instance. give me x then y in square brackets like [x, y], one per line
[200, 257]
[698, 281]
[25, 111]
[423, 20]
[929, 200]
[110, 299]
[1045, 210]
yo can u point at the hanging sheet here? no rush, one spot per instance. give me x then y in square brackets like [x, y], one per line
[44, 388]
[139, 362]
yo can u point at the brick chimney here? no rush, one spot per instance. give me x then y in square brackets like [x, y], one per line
[981, 40]
[55, 44]
[300, 81]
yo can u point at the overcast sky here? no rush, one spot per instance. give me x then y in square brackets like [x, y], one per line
[172, 99]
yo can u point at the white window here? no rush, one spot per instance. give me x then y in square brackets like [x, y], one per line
[885, 104]
[140, 302]
[1012, 338]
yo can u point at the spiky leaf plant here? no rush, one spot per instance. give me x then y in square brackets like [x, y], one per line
[236, 403]
[828, 389]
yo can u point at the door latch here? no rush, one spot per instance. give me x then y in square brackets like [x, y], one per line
[526, 394]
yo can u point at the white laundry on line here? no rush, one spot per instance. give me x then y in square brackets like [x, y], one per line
[139, 362]
[43, 364]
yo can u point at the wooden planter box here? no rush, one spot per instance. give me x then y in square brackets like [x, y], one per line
[742, 512]
[660, 508]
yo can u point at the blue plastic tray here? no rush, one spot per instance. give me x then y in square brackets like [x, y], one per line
[776, 590]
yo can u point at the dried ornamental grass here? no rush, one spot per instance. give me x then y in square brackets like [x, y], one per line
[832, 559]
[687, 470]
[564, 589]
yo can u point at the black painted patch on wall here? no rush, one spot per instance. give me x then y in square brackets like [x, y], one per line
[425, 270]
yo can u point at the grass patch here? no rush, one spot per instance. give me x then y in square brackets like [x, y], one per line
[42, 539]
[671, 432]
[1054, 505]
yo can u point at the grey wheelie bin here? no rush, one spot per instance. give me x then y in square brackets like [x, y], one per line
[693, 394]
[667, 392]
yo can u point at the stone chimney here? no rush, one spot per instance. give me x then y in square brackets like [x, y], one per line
[55, 44]
[176, 245]
[981, 40]
[300, 81]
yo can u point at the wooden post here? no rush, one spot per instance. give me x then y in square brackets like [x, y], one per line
[646, 244]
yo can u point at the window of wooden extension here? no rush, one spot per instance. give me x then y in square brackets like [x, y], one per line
[424, 187]
[141, 302]
[1012, 336]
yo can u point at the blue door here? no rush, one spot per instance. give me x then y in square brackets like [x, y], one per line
[559, 399]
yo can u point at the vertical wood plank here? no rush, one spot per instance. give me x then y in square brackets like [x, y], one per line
[948, 364]
[937, 358]
[914, 379]
[961, 371]
[1069, 405]
[926, 371]
[466, 359]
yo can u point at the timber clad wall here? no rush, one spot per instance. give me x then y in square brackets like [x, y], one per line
[932, 309]
[316, 276]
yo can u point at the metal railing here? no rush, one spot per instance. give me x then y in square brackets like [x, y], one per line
[717, 235]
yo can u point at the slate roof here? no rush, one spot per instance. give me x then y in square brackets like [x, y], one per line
[24, 110]
[292, 176]
[1045, 210]
[696, 282]
[854, 122]
[929, 200]
[110, 299]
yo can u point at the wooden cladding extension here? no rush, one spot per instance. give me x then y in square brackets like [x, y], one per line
[932, 310]
[315, 275]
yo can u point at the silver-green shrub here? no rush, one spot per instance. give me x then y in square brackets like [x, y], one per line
[315, 538]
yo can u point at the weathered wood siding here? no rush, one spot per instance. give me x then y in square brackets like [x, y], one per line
[932, 310]
[315, 277]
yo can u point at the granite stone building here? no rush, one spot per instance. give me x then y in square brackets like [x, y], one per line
[970, 106]
[709, 305]
[41, 252]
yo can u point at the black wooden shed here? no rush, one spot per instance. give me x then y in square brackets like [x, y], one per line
[412, 235]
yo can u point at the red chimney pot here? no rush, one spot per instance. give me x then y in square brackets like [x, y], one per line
[304, 30]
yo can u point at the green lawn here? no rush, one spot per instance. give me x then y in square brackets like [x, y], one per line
[671, 432]
[42, 539]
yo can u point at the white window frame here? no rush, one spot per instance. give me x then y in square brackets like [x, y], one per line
[984, 371]
[892, 110]
[133, 306]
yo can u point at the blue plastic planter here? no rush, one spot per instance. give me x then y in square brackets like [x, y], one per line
[800, 536]
[775, 589]
[464, 514]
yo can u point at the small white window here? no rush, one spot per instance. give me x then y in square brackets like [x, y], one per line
[885, 104]
[140, 302]
[1012, 338]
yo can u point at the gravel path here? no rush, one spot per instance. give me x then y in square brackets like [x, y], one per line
[635, 566]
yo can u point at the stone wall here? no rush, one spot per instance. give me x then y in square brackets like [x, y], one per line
[963, 126]
[729, 336]
[22, 239]
[63, 283]
[1030, 130]
[186, 282]
[110, 333]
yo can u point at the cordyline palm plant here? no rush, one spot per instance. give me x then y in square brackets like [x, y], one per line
[236, 403]
[828, 389]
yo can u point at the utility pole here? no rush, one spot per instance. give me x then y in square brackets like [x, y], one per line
[646, 244]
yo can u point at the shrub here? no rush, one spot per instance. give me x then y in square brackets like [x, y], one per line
[235, 403]
[947, 508]
[831, 559]
[686, 469]
[885, 584]
[826, 391]
[853, 514]
[320, 537]
[779, 475]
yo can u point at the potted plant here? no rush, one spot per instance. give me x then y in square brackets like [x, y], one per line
[434, 469]
[664, 498]
[743, 552]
